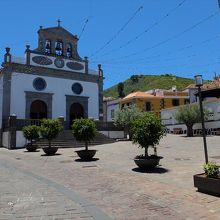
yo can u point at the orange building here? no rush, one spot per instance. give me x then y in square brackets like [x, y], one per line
[155, 100]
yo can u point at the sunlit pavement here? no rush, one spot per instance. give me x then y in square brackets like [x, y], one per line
[34, 186]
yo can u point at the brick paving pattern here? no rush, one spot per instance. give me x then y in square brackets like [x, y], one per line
[33, 186]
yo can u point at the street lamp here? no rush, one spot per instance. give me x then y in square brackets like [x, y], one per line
[199, 83]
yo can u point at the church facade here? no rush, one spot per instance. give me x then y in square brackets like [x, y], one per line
[51, 81]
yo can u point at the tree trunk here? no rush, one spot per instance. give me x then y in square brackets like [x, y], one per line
[155, 151]
[189, 131]
[31, 142]
[86, 145]
[49, 143]
[146, 152]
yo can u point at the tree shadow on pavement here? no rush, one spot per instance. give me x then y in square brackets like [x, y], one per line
[26, 151]
[45, 155]
[91, 160]
[159, 170]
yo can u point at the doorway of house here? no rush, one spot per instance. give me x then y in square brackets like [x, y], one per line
[38, 110]
[76, 111]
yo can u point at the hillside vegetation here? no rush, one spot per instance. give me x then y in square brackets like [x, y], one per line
[147, 82]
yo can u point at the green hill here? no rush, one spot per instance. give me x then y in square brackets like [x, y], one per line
[147, 82]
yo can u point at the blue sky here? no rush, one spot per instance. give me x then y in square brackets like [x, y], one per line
[183, 39]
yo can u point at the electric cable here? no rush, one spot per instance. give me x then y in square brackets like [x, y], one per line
[147, 29]
[171, 38]
[118, 32]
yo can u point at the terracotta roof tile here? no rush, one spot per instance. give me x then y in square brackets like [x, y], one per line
[139, 94]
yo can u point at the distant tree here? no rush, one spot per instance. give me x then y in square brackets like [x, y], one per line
[121, 93]
[124, 117]
[134, 78]
[189, 115]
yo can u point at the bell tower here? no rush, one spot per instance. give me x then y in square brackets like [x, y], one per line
[57, 41]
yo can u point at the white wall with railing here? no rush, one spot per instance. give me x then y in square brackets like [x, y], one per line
[213, 106]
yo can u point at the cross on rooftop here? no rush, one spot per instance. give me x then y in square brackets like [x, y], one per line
[58, 21]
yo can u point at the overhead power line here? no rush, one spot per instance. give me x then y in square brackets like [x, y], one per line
[83, 29]
[171, 38]
[189, 46]
[118, 32]
[147, 29]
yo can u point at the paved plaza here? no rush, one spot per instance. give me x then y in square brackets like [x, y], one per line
[36, 187]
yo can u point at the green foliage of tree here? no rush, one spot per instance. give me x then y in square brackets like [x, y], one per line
[31, 132]
[121, 93]
[84, 130]
[50, 129]
[147, 131]
[211, 169]
[134, 78]
[125, 116]
[189, 115]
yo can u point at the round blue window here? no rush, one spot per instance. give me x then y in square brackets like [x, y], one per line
[39, 84]
[77, 88]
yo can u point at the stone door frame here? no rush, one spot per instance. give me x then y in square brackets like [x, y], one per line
[82, 100]
[33, 96]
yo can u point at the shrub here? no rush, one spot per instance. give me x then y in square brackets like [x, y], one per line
[84, 130]
[31, 132]
[211, 169]
[50, 129]
[147, 131]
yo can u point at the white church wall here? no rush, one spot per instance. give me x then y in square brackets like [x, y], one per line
[5, 138]
[20, 139]
[59, 87]
[1, 95]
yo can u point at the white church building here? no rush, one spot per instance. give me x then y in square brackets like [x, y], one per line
[51, 81]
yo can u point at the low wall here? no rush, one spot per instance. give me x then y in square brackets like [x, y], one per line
[0, 137]
[208, 125]
[20, 139]
[5, 139]
[113, 134]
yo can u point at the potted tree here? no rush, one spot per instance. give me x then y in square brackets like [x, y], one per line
[208, 182]
[125, 116]
[84, 130]
[147, 131]
[31, 133]
[50, 129]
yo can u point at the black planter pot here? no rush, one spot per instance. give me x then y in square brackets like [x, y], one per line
[207, 185]
[50, 150]
[31, 148]
[147, 163]
[86, 154]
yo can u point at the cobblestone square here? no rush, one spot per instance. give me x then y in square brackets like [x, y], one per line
[33, 186]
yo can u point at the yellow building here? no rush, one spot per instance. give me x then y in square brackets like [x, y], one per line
[155, 100]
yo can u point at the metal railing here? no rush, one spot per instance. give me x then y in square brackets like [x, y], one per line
[20, 123]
